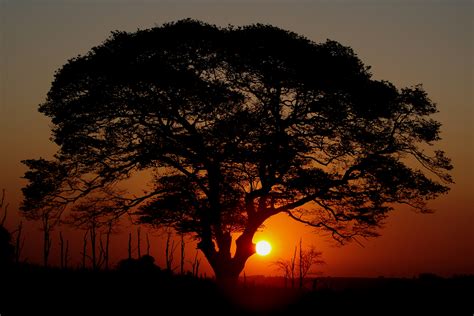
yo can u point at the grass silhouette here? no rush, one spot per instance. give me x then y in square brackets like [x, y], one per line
[136, 291]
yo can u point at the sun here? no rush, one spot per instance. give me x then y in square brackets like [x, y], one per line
[263, 248]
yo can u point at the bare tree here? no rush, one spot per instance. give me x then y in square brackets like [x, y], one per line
[102, 251]
[66, 255]
[19, 242]
[47, 228]
[7, 250]
[306, 260]
[287, 266]
[147, 245]
[64, 251]
[61, 252]
[170, 248]
[96, 215]
[4, 208]
[300, 264]
[84, 249]
[292, 268]
[107, 245]
[284, 266]
[93, 237]
[183, 244]
[195, 264]
[49, 216]
[138, 242]
[129, 246]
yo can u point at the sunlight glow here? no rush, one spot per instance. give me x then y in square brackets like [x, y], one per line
[263, 248]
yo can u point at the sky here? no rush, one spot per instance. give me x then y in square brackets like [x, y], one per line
[405, 42]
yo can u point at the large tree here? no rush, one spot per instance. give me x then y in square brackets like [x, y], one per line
[236, 125]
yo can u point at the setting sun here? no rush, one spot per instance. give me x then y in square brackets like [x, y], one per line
[263, 248]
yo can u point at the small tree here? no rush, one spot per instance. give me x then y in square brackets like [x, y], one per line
[139, 242]
[147, 245]
[3, 209]
[63, 252]
[44, 204]
[287, 266]
[6, 248]
[107, 245]
[183, 244]
[195, 264]
[169, 251]
[84, 249]
[19, 242]
[284, 266]
[96, 215]
[306, 259]
[129, 246]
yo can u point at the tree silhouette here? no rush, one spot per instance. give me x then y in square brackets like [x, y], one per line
[236, 125]
[7, 250]
[306, 259]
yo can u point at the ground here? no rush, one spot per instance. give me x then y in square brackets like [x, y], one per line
[32, 290]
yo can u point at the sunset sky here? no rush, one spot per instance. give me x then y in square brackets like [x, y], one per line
[405, 42]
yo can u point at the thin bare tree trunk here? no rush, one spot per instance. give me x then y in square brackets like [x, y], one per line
[301, 264]
[147, 245]
[182, 254]
[46, 239]
[19, 243]
[196, 264]
[64, 251]
[93, 235]
[170, 248]
[84, 249]
[138, 243]
[293, 261]
[107, 245]
[101, 258]
[5, 208]
[66, 255]
[61, 253]
[129, 245]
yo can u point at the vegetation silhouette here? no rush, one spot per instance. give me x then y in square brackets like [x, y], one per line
[7, 249]
[54, 291]
[299, 266]
[236, 125]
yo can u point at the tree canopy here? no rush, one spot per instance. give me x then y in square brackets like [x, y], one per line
[236, 125]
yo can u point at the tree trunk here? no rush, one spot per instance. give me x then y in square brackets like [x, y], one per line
[19, 243]
[46, 245]
[227, 271]
[301, 264]
[84, 249]
[61, 244]
[182, 255]
[227, 268]
[107, 246]
[139, 243]
[129, 246]
[147, 245]
[93, 235]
